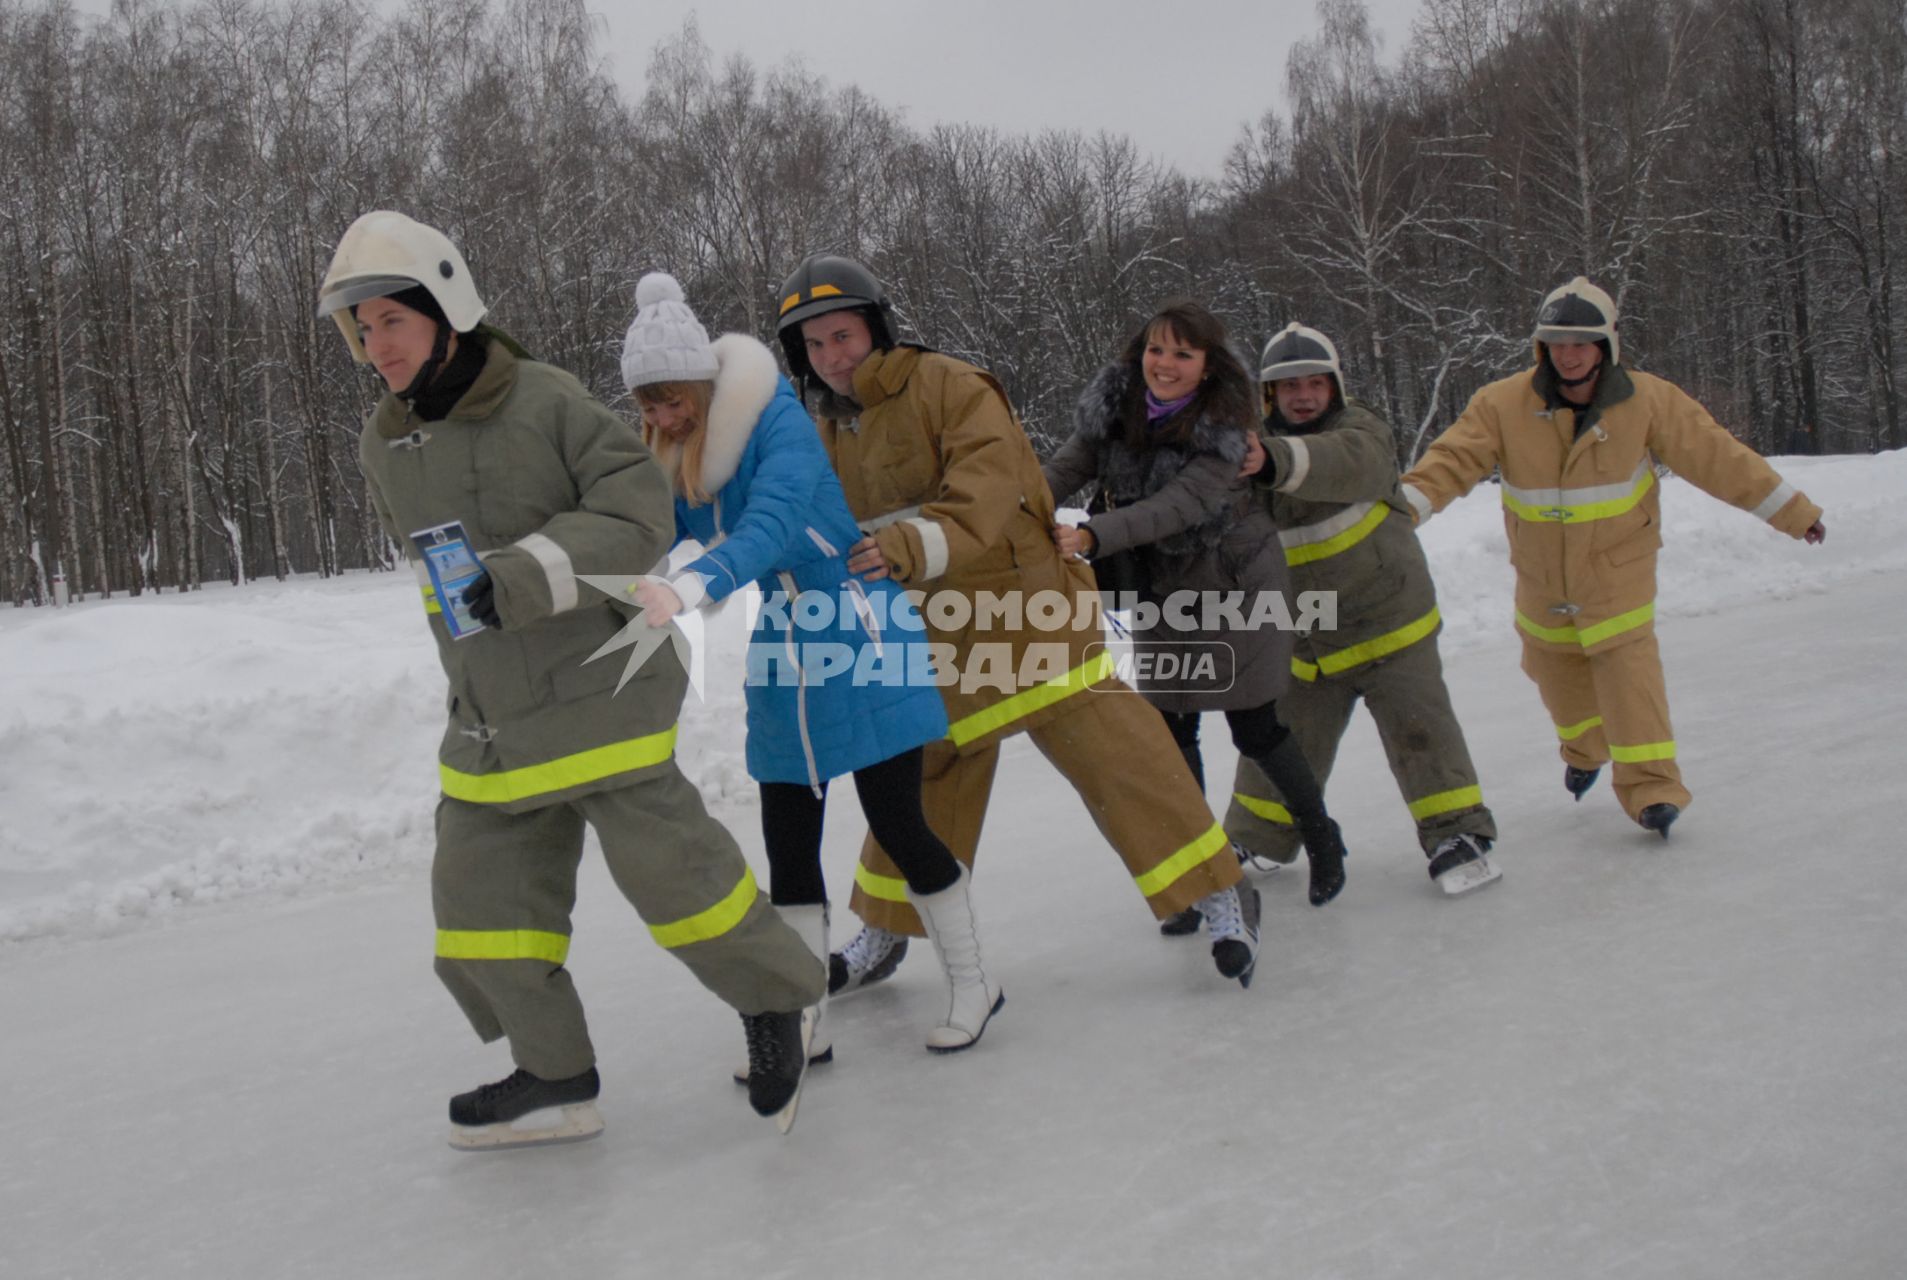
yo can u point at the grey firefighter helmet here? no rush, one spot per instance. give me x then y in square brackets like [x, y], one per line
[827, 282]
[1297, 352]
[1577, 312]
[385, 252]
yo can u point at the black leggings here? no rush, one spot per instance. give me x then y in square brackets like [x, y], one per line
[1263, 739]
[791, 817]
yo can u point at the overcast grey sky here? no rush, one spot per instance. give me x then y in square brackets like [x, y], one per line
[1179, 78]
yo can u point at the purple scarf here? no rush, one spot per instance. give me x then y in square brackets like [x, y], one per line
[1157, 409]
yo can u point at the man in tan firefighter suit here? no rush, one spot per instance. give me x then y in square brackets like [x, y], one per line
[945, 485]
[474, 440]
[1328, 473]
[1578, 439]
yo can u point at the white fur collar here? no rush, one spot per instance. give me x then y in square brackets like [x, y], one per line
[744, 384]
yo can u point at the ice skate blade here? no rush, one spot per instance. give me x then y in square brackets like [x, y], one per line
[548, 1127]
[785, 1118]
[1467, 876]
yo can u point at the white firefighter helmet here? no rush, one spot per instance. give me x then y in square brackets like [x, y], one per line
[385, 252]
[1296, 352]
[1577, 312]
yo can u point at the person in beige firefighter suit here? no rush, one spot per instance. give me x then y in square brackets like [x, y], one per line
[545, 485]
[1578, 439]
[945, 485]
[1327, 472]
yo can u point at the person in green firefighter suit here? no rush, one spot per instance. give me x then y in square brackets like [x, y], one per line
[1327, 469]
[547, 486]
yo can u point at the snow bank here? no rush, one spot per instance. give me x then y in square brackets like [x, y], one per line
[179, 750]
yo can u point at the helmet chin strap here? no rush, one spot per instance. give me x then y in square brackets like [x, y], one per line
[439, 348]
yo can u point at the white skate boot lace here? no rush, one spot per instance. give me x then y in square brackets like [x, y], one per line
[867, 948]
[1222, 914]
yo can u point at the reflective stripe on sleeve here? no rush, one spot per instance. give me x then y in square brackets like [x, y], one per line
[510, 785]
[715, 921]
[557, 569]
[1771, 505]
[1419, 502]
[1300, 464]
[933, 546]
[879, 523]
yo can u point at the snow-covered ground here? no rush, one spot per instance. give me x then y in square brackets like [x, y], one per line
[227, 1055]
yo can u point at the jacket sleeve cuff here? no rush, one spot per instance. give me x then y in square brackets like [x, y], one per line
[691, 588]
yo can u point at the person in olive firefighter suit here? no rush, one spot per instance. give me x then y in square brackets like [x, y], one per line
[945, 485]
[1327, 471]
[1162, 432]
[547, 485]
[1578, 439]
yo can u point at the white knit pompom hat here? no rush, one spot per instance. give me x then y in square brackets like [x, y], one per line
[665, 342]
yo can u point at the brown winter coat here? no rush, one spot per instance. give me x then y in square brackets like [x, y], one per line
[1584, 510]
[1345, 526]
[939, 470]
[1198, 530]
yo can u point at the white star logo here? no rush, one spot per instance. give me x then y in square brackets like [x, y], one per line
[639, 637]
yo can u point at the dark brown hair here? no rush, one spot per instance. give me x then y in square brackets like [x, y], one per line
[1224, 396]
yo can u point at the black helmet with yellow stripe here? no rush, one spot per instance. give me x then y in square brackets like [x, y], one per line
[822, 283]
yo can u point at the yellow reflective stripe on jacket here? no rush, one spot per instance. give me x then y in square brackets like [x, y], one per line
[1647, 751]
[1024, 703]
[1305, 671]
[1580, 505]
[510, 785]
[1446, 802]
[1587, 636]
[1571, 732]
[1169, 872]
[1371, 650]
[715, 921]
[1327, 538]
[502, 944]
[886, 888]
[1269, 810]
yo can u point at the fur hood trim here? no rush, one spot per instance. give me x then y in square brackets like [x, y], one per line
[745, 381]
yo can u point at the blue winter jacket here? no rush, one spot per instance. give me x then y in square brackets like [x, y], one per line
[839, 679]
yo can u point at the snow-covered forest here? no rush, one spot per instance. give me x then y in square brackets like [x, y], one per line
[173, 412]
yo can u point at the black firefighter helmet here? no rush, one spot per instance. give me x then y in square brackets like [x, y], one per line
[825, 282]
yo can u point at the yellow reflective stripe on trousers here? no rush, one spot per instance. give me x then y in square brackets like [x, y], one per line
[1169, 872]
[1579, 506]
[1024, 703]
[502, 944]
[1309, 552]
[1446, 802]
[1381, 647]
[1269, 810]
[886, 888]
[712, 923]
[560, 774]
[1587, 636]
[1571, 732]
[1646, 752]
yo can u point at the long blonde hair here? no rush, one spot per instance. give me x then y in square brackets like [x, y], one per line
[684, 456]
